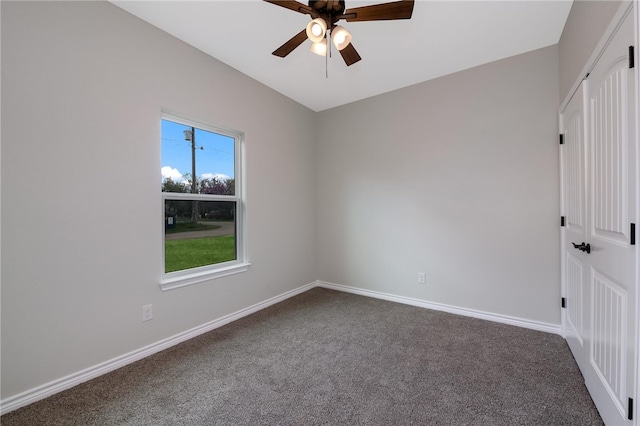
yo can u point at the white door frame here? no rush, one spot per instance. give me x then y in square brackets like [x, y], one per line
[637, 218]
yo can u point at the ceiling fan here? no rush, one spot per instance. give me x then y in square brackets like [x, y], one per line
[326, 13]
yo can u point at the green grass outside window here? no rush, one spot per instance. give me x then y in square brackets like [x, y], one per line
[192, 253]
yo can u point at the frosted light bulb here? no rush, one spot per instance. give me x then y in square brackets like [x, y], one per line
[319, 48]
[316, 30]
[340, 37]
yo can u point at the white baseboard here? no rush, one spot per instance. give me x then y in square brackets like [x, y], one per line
[48, 389]
[519, 322]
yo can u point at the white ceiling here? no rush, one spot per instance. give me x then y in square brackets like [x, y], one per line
[441, 38]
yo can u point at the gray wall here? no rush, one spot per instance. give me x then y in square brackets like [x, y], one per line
[83, 85]
[456, 177]
[585, 25]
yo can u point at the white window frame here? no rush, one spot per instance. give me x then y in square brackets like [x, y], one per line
[177, 279]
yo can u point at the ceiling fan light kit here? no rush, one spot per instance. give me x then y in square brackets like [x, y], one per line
[340, 37]
[320, 47]
[325, 14]
[316, 30]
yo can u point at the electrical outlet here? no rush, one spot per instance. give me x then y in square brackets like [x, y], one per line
[147, 313]
[422, 278]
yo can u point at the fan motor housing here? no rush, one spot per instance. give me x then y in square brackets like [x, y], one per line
[321, 6]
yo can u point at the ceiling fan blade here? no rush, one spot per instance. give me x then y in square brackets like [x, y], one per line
[290, 45]
[292, 5]
[350, 55]
[380, 12]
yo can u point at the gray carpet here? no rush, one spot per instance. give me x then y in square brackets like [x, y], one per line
[331, 358]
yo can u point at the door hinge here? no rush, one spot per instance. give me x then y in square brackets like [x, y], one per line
[630, 409]
[562, 221]
[564, 302]
[561, 139]
[631, 57]
[632, 232]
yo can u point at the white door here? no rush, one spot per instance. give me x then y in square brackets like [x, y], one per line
[599, 258]
[574, 263]
[610, 91]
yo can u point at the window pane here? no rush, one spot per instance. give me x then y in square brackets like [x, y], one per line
[189, 151]
[209, 240]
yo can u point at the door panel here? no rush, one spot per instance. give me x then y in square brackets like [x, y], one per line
[610, 153]
[575, 167]
[575, 306]
[609, 343]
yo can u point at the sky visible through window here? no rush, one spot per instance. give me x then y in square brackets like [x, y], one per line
[214, 153]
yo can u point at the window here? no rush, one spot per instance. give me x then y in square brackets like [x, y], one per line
[202, 202]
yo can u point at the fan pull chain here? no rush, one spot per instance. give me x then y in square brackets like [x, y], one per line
[326, 57]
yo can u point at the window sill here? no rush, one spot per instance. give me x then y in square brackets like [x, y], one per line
[184, 280]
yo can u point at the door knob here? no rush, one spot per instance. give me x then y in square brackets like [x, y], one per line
[583, 247]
